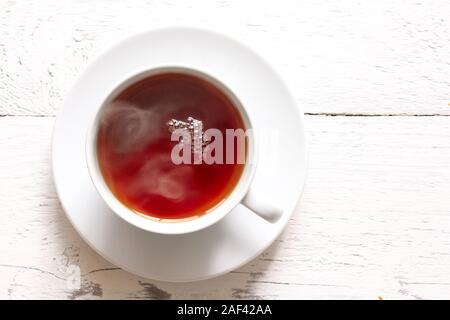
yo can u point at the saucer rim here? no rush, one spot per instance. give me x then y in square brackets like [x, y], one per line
[299, 115]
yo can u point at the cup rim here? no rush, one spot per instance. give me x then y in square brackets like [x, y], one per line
[180, 226]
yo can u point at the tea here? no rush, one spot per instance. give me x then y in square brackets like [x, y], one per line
[134, 146]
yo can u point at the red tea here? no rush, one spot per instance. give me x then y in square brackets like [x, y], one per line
[134, 146]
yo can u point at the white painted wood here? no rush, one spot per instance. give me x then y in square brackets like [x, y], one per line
[374, 221]
[389, 57]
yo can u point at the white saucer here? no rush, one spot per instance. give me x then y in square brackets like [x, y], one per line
[241, 235]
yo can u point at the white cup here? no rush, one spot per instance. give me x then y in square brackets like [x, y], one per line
[241, 194]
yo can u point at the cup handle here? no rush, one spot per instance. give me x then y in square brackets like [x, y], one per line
[261, 207]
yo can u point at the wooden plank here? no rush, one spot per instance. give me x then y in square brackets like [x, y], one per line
[374, 221]
[388, 57]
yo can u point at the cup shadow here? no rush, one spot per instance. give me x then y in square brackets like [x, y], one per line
[101, 279]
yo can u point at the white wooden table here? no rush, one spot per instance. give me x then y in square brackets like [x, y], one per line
[374, 80]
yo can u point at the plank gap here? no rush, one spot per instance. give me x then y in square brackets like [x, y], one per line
[344, 114]
[323, 114]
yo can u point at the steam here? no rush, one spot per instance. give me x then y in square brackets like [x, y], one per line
[159, 177]
[129, 128]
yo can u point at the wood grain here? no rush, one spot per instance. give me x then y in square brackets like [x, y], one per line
[374, 221]
[373, 78]
[351, 57]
